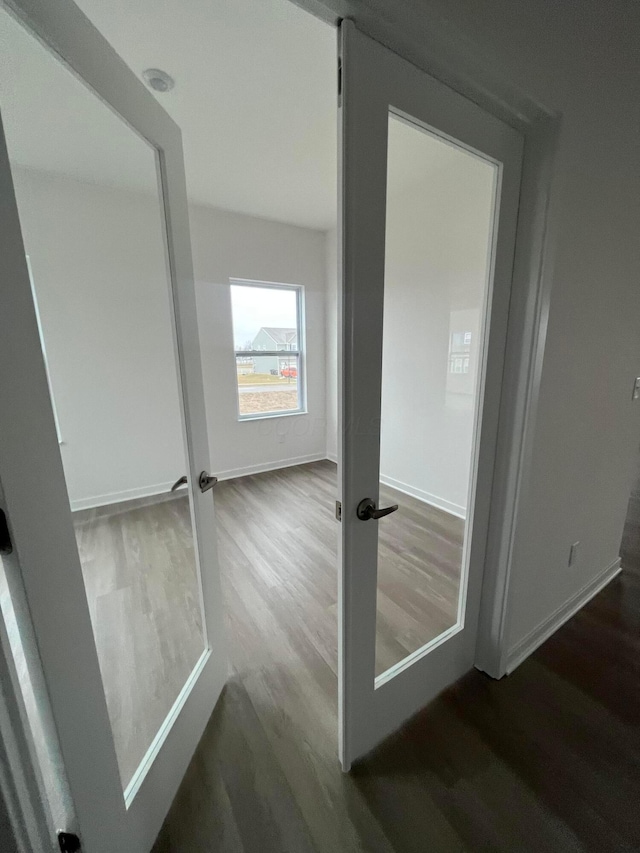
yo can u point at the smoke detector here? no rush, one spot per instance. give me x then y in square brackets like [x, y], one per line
[158, 80]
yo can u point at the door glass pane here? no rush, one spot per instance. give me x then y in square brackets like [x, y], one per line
[440, 206]
[91, 217]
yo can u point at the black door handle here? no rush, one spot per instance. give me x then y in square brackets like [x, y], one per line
[181, 482]
[367, 509]
[205, 481]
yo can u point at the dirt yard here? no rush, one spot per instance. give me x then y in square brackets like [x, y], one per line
[268, 401]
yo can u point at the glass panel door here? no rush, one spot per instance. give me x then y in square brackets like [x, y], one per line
[101, 455]
[91, 216]
[438, 243]
[429, 204]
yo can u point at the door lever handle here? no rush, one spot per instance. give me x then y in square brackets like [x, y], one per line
[367, 509]
[206, 481]
[181, 482]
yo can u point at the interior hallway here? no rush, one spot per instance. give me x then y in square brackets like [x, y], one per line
[547, 759]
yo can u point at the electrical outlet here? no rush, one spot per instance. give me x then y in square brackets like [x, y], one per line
[573, 553]
[636, 389]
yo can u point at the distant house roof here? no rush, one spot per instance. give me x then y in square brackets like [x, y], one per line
[281, 336]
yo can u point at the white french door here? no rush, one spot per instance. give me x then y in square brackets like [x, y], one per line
[133, 660]
[430, 188]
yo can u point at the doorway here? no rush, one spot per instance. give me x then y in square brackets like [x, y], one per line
[276, 515]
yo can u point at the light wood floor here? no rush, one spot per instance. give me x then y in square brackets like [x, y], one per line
[277, 540]
[547, 759]
[139, 571]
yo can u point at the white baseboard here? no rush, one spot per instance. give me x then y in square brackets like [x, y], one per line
[247, 471]
[420, 494]
[427, 497]
[119, 497]
[550, 625]
[162, 488]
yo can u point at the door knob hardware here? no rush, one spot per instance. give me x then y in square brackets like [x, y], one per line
[367, 509]
[205, 481]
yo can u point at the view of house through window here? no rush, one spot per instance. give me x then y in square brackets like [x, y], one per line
[267, 319]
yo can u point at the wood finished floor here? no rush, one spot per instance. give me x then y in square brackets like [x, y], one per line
[139, 571]
[547, 759]
[277, 539]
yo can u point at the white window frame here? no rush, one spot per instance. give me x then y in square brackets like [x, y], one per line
[300, 352]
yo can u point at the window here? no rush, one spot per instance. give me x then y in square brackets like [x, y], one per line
[459, 349]
[269, 352]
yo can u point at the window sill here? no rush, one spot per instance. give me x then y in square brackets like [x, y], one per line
[262, 416]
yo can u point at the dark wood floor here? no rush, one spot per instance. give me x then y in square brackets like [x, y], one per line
[547, 759]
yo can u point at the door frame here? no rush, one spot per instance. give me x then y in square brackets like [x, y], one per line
[431, 46]
[133, 824]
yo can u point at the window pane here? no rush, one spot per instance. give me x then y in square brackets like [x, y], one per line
[267, 383]
[440, 212]
[265, 320]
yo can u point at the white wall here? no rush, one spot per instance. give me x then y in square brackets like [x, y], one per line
[436, 253]
[98, 267]
[99, 272]
[228, 245]
[435, 262]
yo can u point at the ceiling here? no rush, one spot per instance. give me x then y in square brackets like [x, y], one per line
[255, 96]
[52, 122]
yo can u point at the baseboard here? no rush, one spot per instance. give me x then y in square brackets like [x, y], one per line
[420, 494]
[426, 497]
[247, 471]
[550, 625]
[119, 497]
[162, 488]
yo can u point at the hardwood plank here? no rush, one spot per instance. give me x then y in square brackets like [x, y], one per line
[139, 570]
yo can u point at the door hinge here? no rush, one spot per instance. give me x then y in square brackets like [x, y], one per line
[338, 511]
[339, 81]
[69, 842]
[6, 546]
